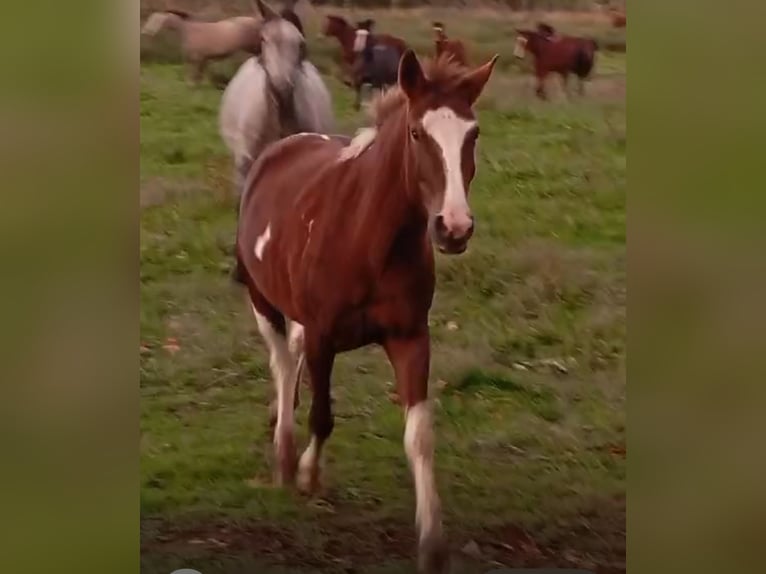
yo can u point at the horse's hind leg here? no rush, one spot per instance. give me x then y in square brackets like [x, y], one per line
[410, 358]
[319, 361]
[284, 370]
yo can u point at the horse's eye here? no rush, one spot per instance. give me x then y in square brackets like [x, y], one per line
[415, 133]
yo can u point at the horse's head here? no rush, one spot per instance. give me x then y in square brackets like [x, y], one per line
[442, 130]
[282, 48]
[438, 28]
[333, 26]
[526, 41]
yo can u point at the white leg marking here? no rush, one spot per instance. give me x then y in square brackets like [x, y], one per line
[308, 465]
[296, 339]
[449, 131]
[419, 446]
[262, 241]
[283, 368]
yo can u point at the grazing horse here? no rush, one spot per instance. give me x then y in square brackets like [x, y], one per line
[273, 95]
[376, 64]
[334, 245]
[444, 45]
[554, 53]
[337, 27]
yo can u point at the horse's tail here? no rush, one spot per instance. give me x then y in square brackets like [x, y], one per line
[584, 58]
[239, 271]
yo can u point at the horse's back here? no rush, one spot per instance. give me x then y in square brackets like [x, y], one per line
[287, 166]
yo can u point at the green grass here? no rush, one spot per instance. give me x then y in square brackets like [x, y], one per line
[519, 441]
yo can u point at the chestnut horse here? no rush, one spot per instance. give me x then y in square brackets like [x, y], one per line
[334, 245]
[337, 27]
[444, 45]
[554, 53]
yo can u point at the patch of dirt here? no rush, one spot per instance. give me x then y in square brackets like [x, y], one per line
[593, 540]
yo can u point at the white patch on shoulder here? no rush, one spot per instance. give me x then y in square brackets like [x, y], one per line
[449, 131]
[362, 140]
[262, 241]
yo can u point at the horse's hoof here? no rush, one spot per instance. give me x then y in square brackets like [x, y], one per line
[433, 555]
[287, 463]
[307, 481]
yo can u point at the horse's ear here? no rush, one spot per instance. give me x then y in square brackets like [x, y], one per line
[411, 78]
[474, 81]
[266, 11]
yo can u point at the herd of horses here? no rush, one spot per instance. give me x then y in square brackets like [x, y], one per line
[336, 235]
[369, 58]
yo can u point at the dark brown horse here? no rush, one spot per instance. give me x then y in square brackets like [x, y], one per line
[376, 63]
[337, 27]
[334, 245]
[451, 47]
[553, 53]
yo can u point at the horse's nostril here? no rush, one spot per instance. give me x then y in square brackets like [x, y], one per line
[439, 223]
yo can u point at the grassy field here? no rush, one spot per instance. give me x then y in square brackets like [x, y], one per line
[529, 346]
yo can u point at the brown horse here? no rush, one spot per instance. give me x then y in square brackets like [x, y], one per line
[334, 245]
[444, 45]
[337, 27]
[554, 53]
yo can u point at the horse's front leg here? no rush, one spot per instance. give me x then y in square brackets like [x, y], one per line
[319, 359]
[410, 358]
[565, 83]
[540, 89]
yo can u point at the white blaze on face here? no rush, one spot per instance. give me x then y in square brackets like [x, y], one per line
[360, 40]
[449, 131]
[519, 47]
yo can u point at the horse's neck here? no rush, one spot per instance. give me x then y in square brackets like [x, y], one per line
[346, 36]
[391, 209]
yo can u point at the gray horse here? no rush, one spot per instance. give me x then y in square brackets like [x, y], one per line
[272, 95]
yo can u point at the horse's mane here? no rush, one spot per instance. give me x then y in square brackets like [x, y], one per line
[442, 72]
[180, 13]
[337, 18]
